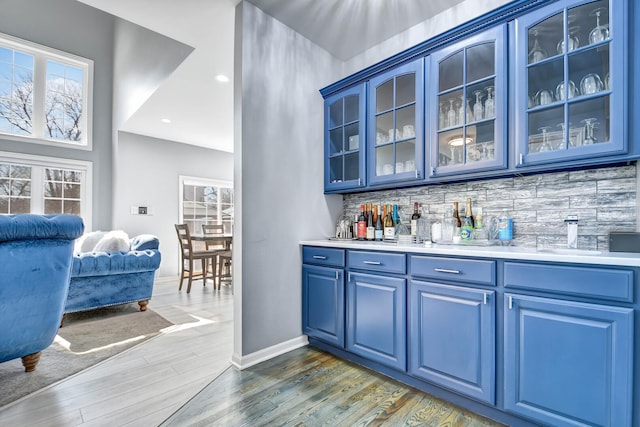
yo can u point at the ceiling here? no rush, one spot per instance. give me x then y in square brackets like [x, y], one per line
[200, 107]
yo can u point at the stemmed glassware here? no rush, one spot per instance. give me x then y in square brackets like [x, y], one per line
[545, 139]
[572, 40]
[600, 32]
[461, 110]
[489, 103]
[591, 83]
[469, 111]
[477, 107]
[536, 53]
[589, 127]
[571, 90]
[442, 118]
[451, 114]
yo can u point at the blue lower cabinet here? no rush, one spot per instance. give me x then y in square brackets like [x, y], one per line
[452, 338]
[568, 363]
[323, 304]
[376, 318]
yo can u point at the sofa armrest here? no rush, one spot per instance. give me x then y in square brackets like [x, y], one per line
[34, 227]
[144, 241]
[105, 263]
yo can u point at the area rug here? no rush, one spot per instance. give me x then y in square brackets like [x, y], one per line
[86, 338]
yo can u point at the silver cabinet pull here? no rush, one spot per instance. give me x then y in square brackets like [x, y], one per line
[510, 302]
[445, 270]
[372, 262]
[485, 299]
[319, 257]
[521, 158]
[336, 274]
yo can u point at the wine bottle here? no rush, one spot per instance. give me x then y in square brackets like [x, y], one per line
[414, 219]
[378, 231]
[456, 215]
[362, 224]
[468, 213]
[370, 228]
[389, 225]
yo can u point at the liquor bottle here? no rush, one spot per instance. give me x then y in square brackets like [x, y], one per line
[362, 224]
[378, 229]
[414, 219]
[389, 225]
[370, 228]
[468, 213]
[456, 215]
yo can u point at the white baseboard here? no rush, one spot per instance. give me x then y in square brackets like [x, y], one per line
[244, 362]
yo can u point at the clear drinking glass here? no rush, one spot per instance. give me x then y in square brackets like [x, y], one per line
[489, 103]
[469, 111]
[461, 110]
[544, 97]
[536, 53]
[589, 127]
[545, 139]
[572, 90]
[442, 118]
[477, 107]
[601, 31]
[451, 114]
[591, 83]
[572, 41]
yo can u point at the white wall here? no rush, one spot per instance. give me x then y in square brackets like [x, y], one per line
[448, 19]
[280, 149]
[148, 175]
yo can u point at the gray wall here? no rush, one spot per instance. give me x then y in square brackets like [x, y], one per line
[604, 200]
[81, 30]
[281, 168]
[148, 175]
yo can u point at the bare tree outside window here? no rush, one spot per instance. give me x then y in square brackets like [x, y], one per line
[15, 188]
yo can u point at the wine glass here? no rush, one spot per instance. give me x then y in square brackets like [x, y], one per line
[477, 107]
[544, 97]
[607, 81]
[572, 91]
[572, 41]
[591, 83]
[469, 111]
[489, 103]
[442, 117]
[589, 127]
[599, 32]
[536, 53]
[451, 114]
[545, 139]
[461, 110]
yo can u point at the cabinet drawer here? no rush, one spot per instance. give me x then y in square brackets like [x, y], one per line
[601, 283]
[323, 256]
[377, 261]
[482, 272]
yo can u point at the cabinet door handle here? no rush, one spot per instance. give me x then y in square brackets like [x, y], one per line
[521, 158]
[433, 171]
[485, 299]
[445, 270]
[510, 303]
[417, 174]
[372, 262]
[336, 274]
[359, 184]
[319, 257]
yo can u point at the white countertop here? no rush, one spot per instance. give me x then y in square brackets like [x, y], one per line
[505, 252]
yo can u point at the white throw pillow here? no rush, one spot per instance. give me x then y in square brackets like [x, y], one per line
[113, 241]
[88, 241]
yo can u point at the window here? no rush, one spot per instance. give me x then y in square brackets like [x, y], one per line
[34, 184]
[45, 95]
[205, 201]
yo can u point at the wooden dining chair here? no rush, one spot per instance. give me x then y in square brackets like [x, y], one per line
[188, 256]
[224, 253]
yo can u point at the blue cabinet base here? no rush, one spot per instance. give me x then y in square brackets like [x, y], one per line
[449, 396]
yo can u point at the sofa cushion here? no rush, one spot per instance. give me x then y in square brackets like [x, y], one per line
[104, 263]
[32, 226]
[143, 242]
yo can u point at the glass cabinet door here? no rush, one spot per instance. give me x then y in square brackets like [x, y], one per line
[467, 100]
[568, 92]
[395, 130]
[344, 140]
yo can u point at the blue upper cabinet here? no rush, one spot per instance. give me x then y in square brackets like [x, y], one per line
[395, 129]
[570, 74]
[345, 140]
[466, 101]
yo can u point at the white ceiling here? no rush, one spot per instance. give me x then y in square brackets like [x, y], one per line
[201, 108]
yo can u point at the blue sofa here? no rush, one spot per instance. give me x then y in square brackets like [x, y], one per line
[102, 279]
[35, 264]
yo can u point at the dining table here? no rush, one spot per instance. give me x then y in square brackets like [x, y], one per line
[225, 238]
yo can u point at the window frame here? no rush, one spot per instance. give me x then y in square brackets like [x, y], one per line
[41, 55]
[38, 164]
[201, 182]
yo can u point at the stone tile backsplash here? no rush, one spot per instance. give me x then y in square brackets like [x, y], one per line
[604, 200]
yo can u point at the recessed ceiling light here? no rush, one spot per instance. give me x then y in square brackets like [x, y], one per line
[165, 121]
[222, 78]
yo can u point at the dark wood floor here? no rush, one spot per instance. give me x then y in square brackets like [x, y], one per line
[308, 387]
